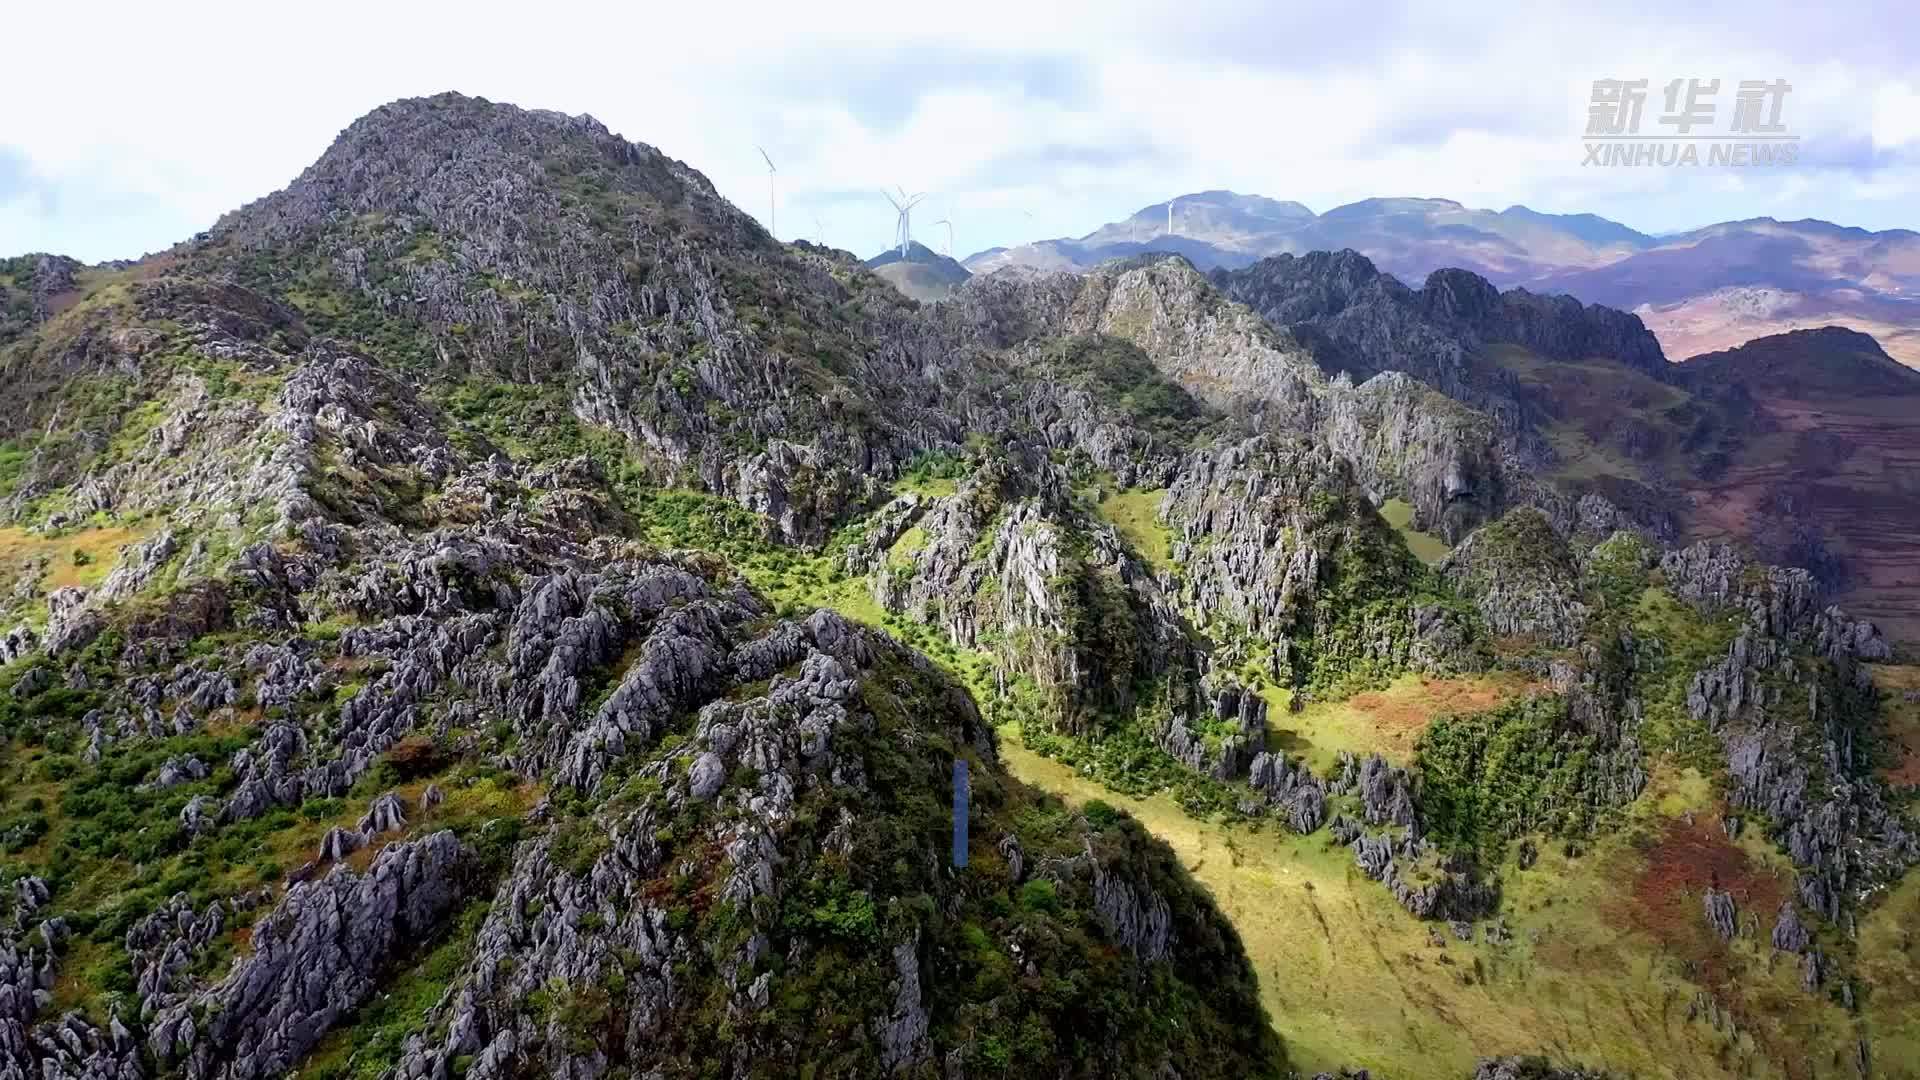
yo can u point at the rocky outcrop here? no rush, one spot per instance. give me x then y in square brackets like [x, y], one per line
[1425, 882]
[1365, 322]
[1522, 577]
[1400, 438]
[1268, 531]
[1298, 796]
[1722, 915]
[1011, 565]
[315, 957]
[16, 643]
[1358, 322]
[1515, 1068]
[831, 715]
[1794, 732]
[1429, 882]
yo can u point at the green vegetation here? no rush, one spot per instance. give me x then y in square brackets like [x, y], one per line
[1524, 541]
[1135, 515]
[113, 848]
[933, 475]
[1353, 980]
[1117, 373]
[1688, 641]
[1388, 721]
[82, 556]
[1426, 547]
[13, 464]
[1359, 632]
[1490, 776]
[1124, 759]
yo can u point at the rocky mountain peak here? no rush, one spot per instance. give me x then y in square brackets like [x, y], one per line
[466, 164]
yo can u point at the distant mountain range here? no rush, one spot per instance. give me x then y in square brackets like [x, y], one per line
[1794, 444]
[1699, 291]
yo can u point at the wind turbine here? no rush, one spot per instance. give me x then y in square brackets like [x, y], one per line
[819, 230]
[772, 222]
[949, 225]
[903, 229]
[1170, 203]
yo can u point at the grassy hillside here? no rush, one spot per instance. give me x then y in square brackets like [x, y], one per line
[1607, 957]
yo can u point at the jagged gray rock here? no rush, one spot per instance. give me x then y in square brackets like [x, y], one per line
[340, 843]
[387, 813]
[1789, 933]
[314, 958]
[1516, 1068]
[1722, 915]
[1521, 575]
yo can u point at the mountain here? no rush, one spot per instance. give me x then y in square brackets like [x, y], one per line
[921, 274]
[488, 609]
[1698, 291]
[1714, 288]
[1222, 219]
[1831, 432]
[376, 695]
[1791, 444]
[1212, 228]
[1406, 237]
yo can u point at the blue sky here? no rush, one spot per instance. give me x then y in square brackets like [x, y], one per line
[143, 122]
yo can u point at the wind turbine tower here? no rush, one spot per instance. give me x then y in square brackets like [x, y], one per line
[772, 204]
[903, 228]
[949, 225]
[1170, 203]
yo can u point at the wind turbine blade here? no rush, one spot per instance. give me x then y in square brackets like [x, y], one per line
[768, 160]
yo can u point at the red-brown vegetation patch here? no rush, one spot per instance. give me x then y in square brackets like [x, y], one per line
[416, 756]
[1668, 895]
[1408, 711]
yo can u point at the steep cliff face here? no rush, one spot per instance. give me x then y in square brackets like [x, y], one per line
[1504, 355]
[1793, 706]
[1403, 439]
[1720, 447]
[1369, 322]
[1278, 545]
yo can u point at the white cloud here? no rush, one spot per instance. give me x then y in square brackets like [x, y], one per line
[1896, 115]
[148, 121]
